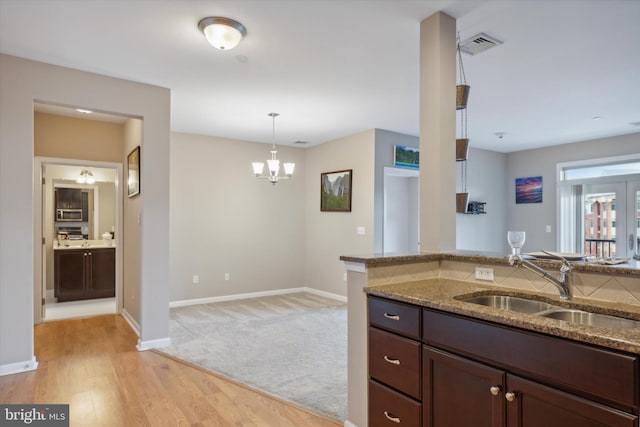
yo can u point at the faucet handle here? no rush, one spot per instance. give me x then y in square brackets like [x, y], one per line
[566, 267]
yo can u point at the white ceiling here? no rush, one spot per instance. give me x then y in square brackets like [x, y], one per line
[335, 67]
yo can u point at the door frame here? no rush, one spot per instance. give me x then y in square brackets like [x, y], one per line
[39, 232]
[633, 187]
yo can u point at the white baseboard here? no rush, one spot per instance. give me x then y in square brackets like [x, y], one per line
[18, 367]
[326, 294]
[197, 301]
[151, 344]
[131, 321]
[348, 423]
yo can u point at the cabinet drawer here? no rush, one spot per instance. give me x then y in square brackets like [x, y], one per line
[590, 371]
[395, 316]
[390, 408]
[395, 361]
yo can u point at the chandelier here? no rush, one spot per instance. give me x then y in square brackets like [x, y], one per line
[273, 163]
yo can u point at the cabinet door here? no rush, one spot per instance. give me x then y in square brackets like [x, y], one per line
[536, 405]
[69, 274]
[459, 392]
[101, 274]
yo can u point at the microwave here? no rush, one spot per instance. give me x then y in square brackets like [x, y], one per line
[69, 215]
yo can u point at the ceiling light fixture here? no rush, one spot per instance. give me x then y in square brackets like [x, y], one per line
[273, 163]
[86, 177]
[222, 33]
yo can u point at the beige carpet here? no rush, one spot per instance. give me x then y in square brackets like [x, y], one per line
[291, 346]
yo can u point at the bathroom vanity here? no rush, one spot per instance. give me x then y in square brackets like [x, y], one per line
[82, 273]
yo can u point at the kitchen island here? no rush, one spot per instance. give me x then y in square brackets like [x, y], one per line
[84, 270]
[436, 284]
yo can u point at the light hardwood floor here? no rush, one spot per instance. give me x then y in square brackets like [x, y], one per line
[93, 365]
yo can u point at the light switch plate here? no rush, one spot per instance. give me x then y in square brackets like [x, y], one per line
[360, 230]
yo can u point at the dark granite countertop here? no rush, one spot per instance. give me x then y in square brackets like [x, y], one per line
[442, 294]
[630, 268]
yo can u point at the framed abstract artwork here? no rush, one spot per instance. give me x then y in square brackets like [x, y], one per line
[529, 190]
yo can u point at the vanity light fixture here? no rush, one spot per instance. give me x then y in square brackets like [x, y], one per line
[80, 110]
[273, 163]
[222, 33]
[86, 177]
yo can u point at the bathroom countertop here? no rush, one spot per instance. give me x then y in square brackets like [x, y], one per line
[92, 244]
[444, 294]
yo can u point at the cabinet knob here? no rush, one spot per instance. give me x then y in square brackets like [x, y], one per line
[390, 417]
[392, 316]
[495, 390]
[510, 396]
[392, 361]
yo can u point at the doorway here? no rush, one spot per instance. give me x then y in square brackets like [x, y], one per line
[401, 211]
[599, 208]
[94, 232]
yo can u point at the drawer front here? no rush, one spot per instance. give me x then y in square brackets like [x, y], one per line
[395, 316]
[577, 367]
[388, 408]
[395, 361]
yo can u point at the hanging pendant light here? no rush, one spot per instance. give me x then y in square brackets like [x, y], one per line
[273, 164]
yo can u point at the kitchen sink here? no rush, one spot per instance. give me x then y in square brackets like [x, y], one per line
[590, 319]
[550, 311]
[506, 302]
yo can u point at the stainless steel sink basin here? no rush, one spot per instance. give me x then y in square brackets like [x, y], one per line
[550, 311]
[505, 302]
[591, 319]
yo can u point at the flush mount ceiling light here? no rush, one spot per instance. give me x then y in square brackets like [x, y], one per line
[222, 33]
[273, 163]
[86, 177]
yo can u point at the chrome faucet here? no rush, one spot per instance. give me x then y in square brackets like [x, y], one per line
[562, 282]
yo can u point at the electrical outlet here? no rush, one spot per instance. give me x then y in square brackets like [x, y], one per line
[227, 276]
[484, 274]
[196, 279]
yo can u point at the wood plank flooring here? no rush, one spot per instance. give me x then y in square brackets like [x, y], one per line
[93, 365]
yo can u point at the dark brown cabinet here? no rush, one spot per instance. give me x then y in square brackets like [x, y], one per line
[488, 375]
[395, 386]
[84, 273]
[68, 198]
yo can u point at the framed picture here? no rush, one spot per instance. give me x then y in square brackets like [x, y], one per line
[529, 190]
[133, 172]
[335, 191]
[406, 157]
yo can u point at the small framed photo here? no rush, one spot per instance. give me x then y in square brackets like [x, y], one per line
[406, 157]
[529, 190]
[335, 191]
[133, 172]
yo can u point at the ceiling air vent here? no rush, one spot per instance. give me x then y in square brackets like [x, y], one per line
[300, 142]
[479, 43]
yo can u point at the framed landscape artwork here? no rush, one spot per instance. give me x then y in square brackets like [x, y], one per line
[335, 191]
[529, 190]
[406, 157]
[133, 172]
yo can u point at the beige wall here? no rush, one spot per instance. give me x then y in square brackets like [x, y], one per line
[23, 82]
[224, 220]
[331, 234]
[73, 138]
[533, 217]
[132, 234]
